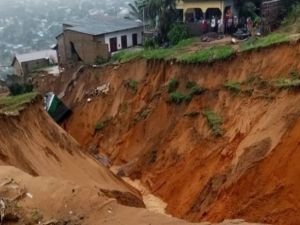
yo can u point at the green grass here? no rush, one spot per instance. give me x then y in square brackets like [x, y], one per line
[127, 55]
[214, 121]
[233, 86]
[15, 103]
[287, 83]
[196, 90]
[157, 53]
[178, 98]
[208, 55]
[264, 42]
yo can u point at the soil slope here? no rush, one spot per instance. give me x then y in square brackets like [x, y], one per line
[251, 172]
[32, 142]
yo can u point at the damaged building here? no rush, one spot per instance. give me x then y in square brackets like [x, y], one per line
[95, 40]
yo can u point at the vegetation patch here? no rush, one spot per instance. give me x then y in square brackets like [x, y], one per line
[150, 52]
[214, 121]
[178, 33]
[233, 86]
[142, 115]
[287, 83]
[263, 42]
[190, 84]
[196, 91]
[173, 85]
[101, 125]
[18, 89]
[291, 23]
[132, 85]
[16, 103]
[178, 98]
[208, 55]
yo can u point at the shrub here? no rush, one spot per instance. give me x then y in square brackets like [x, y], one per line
[196, 91]
[178, 98]
[233, 86]
[173, 85]
[177, 33]
[214, 122]
[190, 84]
[149, 43]
[18, 89]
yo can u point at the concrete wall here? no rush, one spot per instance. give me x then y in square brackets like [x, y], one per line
[61, 50]
[26, 68]
[17, 68]
[204, 5]
[87, 47]
[129, 33]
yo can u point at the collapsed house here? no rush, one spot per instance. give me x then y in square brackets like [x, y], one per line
[95, 40]
[25, 64]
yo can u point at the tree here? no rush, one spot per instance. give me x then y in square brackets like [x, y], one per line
[161, 13]
[137, 10]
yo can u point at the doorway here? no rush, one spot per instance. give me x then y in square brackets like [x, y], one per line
[134, 39]
[113, 44]
[124, 41]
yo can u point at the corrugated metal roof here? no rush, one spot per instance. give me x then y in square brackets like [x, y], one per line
[103, 25]
[45, 54]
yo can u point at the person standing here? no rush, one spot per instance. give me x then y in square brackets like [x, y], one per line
[213, 24]
[235, 23]
[220, 27]
[229, 25]
[250, 25]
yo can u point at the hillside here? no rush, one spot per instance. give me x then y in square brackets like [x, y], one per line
[223, 144]
[46, 179]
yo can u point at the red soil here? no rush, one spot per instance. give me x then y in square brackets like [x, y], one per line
[251, 172]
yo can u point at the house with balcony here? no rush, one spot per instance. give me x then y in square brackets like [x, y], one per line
[192, 11]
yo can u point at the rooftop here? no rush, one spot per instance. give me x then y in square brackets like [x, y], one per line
[102, 25]
[45, 54]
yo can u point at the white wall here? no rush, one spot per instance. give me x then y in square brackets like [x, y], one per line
[128, 33]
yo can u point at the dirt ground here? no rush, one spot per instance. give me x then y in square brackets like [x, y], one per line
[250, 172]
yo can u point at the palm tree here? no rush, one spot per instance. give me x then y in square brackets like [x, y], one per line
[162, 13]
[137, 10]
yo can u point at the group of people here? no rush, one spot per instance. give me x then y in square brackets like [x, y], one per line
[227, 25]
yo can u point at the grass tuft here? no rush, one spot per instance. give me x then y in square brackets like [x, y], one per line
[15, 103]
[287, 83]
[264, 42]
[178, 98]
[214, 122]
[208, 55]
[233, 86]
